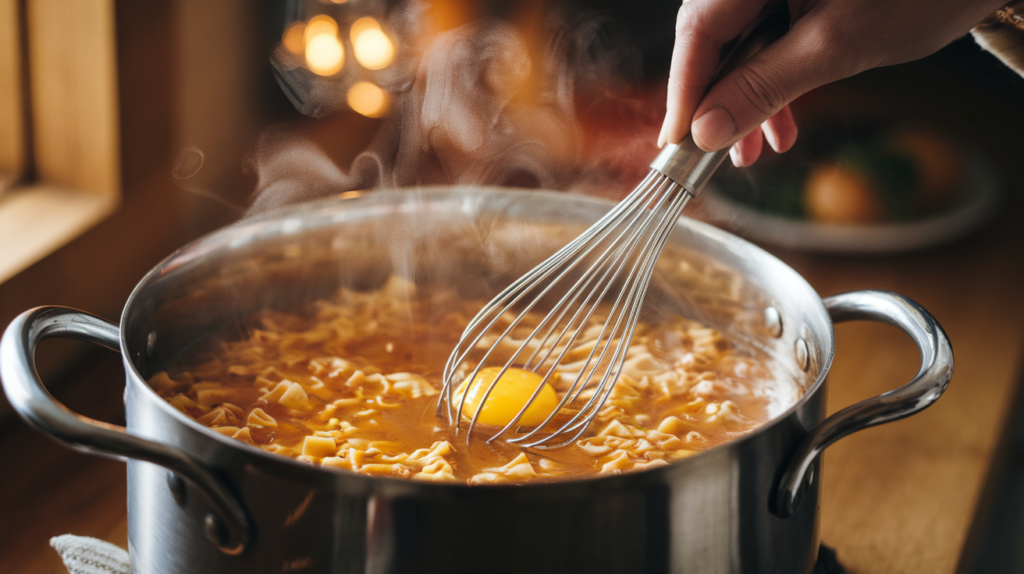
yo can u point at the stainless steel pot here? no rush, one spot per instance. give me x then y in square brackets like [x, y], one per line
[202, 502]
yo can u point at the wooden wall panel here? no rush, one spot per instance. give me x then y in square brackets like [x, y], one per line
[72, 50]
[12, 106]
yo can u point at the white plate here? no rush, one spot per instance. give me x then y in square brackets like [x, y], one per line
[980, 198]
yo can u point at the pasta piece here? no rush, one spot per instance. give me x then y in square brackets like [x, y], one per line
[414, 386]
[486, 477]
[243, 434]
[289, 394]
[695, 439]
[259, 418]
[680, 454]
[185, 404]
[163, 383]
[519, 468]
[439, 470]
[616, 462]
[318, 389]
[616, 428]
[665, 441]
[438, 449]
[336, 462]
[649, 464]
[672, 425]
[218, 417]
[355, 457]
[319, 446]
[386, 470]
[213, 397]
[357, 379]
[594, 449]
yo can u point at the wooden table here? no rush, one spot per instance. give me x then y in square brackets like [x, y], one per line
[899, 498]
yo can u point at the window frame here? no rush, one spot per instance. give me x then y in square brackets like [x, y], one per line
[61, 103]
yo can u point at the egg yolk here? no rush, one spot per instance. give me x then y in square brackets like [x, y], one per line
[512, 391]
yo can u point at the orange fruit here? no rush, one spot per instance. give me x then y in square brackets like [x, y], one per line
[835, 193]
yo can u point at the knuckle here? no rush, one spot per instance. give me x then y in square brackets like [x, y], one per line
[823, 32]
[689, 21]
[760, 89]
[828, 43]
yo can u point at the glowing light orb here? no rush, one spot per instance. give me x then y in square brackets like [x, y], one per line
[318, 25]
[294, 38]
[373, 49]
[368, 99]
[325, 55]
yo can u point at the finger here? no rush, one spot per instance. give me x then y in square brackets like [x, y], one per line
[746, 151]
[780, 130]
[758, 89]
[702, 26]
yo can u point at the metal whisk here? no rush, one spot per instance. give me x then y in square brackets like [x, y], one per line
[608, 266]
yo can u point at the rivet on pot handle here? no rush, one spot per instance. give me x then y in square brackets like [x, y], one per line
[926, 387]
[31, 400]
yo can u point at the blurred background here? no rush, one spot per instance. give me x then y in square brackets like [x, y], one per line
[129, 128]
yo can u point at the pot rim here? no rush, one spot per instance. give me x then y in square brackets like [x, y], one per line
[229, 234]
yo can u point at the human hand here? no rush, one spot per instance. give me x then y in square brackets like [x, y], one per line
[827, 41]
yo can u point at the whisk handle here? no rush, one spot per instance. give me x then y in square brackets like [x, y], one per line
[687, 164]
[684, 162]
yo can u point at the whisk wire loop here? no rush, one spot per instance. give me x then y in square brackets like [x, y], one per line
[543, 270]
[620, 255]
[579, 423]
[618, 260]
[625, 242]
[563, 304]
[515, 292]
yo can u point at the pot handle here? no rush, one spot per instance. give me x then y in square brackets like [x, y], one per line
[227, 526]
[926, 387]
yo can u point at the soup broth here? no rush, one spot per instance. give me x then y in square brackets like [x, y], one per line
[353, 382]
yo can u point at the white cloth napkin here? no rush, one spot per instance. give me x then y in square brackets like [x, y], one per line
[84, 555]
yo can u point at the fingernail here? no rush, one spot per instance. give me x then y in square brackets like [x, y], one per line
[734, 155]
[714, 128]
[770, 136]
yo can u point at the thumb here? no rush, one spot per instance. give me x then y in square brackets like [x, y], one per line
[760, 87]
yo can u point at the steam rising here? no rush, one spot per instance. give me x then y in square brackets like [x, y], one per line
[472, 107]
[186, 166]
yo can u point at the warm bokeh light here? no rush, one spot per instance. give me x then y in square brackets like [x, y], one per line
[368, 99]
[324, 54]
[319, 25]
[373, 49]
[361, 25]
[294, 38]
